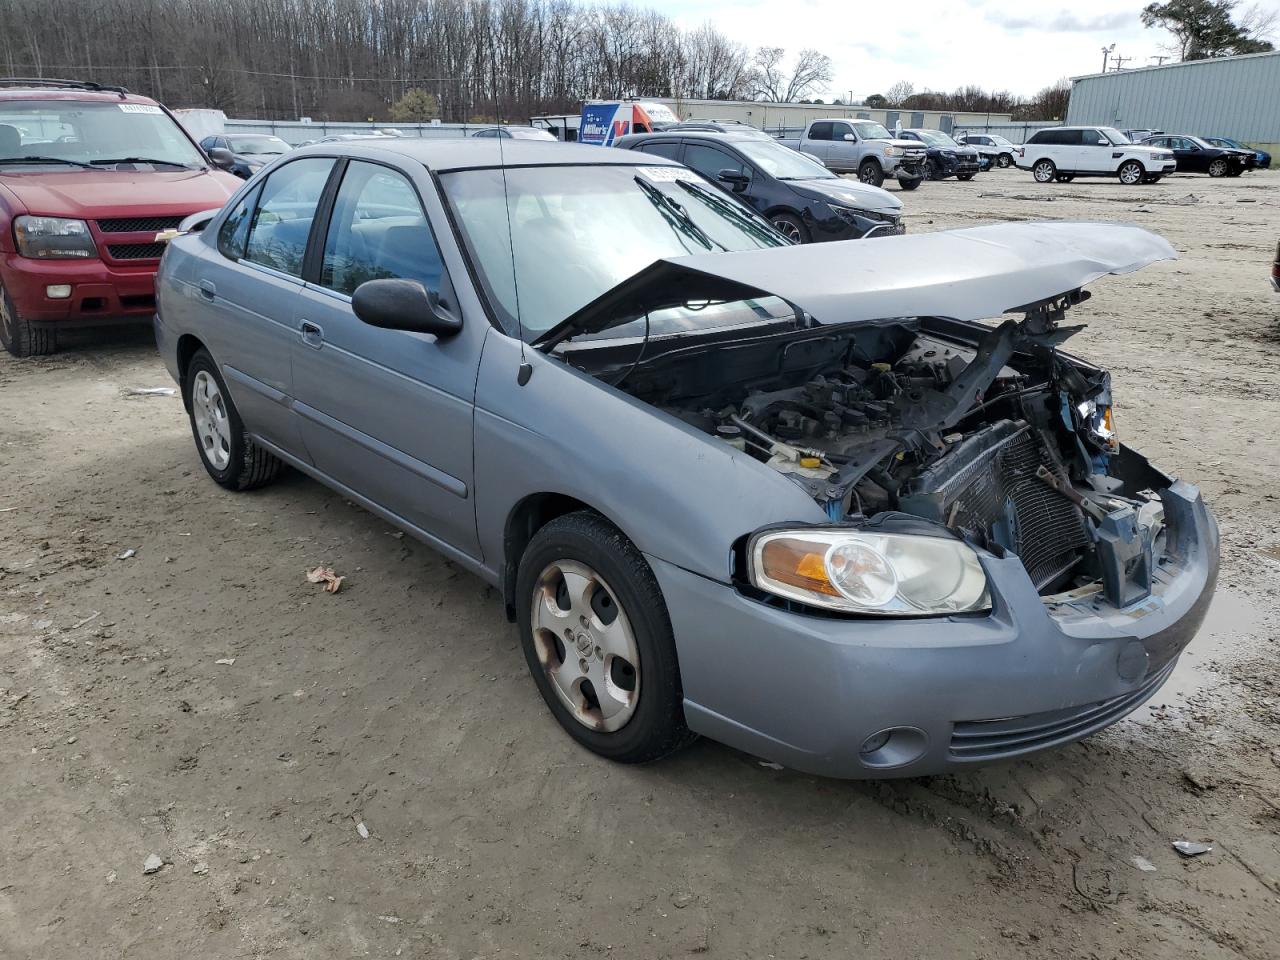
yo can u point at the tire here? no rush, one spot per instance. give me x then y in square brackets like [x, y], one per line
[931, 171]
[1218, 168]
[1004, 160]
[230, 456]
[1152, 178]
[21, 337]
[964, 177]
[790, 227]
[1131, 173]
[1064, 177]
[910, 183]
[1234, 172]
[1044, 171]
[870, 172]
[581, 568]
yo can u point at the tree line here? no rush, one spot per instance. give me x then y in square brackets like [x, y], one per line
[355, 59]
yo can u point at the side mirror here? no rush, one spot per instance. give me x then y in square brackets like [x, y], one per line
[734, 178]
[850, 138]
[222, 158]
[403, 305]
[198, 221]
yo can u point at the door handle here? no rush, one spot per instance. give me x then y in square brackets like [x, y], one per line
[312, 335]
[207, 289]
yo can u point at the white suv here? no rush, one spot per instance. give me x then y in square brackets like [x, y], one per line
[1064, 153]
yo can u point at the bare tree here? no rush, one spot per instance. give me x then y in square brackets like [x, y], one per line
[771, 80]
[897, 94]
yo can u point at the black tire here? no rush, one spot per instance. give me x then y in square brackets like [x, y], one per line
[657, 727]
[21, 337]
[1004, 160]
[964, 177]
[790, 227]
[1064, 177]
[1218, 168]
[1130, 173]
[910, 183]
[931, 171]
[1234, 172]
[248, 465]
[1044, 171]
[871, 173]
[1152, 178]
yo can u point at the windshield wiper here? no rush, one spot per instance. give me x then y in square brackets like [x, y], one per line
[730, 209]
[150, 160]
[70, 163]
[676, 215]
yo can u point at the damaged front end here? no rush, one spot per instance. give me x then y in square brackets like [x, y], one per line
[917, 423]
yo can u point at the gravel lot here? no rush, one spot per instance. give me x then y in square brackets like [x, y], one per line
[403, 702]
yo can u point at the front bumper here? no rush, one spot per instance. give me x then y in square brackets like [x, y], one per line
[807, 691]
[101, 293]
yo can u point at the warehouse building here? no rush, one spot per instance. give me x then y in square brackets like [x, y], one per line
[793, 117]
[1236, 97]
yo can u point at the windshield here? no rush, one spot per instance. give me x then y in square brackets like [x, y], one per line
[782, 162]
[91, 131]
[578, 231]
[935, 138]
[1114, 135]
[1000, 141]
[869, 130]
[257, 145]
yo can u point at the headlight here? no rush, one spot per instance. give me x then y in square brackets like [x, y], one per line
[53, 238]
[891, 151]
[1099, 423]
[885, 574]
[1158, 156]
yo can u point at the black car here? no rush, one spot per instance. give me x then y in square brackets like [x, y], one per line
[250, 150]
[1195, 155]
[946, 157]
[802, 199]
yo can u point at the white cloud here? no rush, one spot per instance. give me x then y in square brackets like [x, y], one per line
[940, 44]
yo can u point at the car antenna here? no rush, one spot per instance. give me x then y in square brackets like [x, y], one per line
[525, 370]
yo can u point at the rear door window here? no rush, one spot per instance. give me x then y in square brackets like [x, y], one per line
[282, 221]
[820, 130]
[662, 149]
[709, 161]
[378, 232]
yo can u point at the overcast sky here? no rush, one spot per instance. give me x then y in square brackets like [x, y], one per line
[943, 44]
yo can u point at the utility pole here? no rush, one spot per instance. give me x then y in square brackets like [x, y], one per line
[1106, 52]
[1120, 62]
[1160, 60]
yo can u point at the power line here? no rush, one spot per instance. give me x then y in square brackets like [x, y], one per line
[255, 73]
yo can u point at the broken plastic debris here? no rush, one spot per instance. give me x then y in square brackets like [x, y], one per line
[226, 661]
[152, 391]
[1143, 864]
[362, 830]
[127, 554]
[200, 869]
[1190, 848]
[152, 864]
[332, 582]
[389, 918]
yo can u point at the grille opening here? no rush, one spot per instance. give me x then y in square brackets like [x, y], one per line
[90, 304]
[138, 301]
[138, 224]
[136, 251]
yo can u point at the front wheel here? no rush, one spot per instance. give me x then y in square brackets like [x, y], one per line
[228, 453]
[871, 173]
[598, 640]
[1004, 160]
[1218, 168]
[1044, 171]
[1131, 173]
[790, 227]
[20, 336]
[932, 171]
[910, 183]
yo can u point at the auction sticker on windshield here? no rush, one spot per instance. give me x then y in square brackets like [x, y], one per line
[139, 108]
[667, 174]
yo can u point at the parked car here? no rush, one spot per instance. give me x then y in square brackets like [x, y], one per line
[716, 126]
[801, 198]
[251, 151]
[946, 158]
[1064, 153]
[996, 148]
[1137, 136]
[93, 181]
[515, 133]
[796, 498]
[1194, 155]
[1263, 158]
[862, 147]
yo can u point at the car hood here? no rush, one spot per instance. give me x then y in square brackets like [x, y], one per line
[969, 274]
[906, 144]
[90, 194]
[848, 193]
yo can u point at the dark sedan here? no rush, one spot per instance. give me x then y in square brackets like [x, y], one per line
[1264, 158]
[799, 196]
[946, 157]
[1195, 155]
[249, 150]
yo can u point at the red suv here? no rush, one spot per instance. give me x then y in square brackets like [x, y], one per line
[93, 183]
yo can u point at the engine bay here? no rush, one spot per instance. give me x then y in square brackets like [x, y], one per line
[987, 431]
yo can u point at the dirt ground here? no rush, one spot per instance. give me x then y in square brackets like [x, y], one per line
[201, 702]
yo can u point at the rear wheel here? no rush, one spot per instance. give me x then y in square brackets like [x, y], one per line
[1218, 168]
[1004, 160]
[932, 171]
[790, 227]
[228, 453]
[598, 640]
[1044, 171]
[1131, 173]
[21, 337]
[871, 173]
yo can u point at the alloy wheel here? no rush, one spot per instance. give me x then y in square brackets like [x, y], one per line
[1131, 173]
[586, 645]
[213, 428]
[1218, 168]
[1043, 171]
[788, 230]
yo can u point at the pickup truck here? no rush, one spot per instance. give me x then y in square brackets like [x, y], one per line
[863, 147]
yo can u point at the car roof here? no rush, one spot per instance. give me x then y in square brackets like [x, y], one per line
[462, 153]
[71, 94]
[715, 136]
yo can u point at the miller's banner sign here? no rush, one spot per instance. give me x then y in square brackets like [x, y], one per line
[603, 122]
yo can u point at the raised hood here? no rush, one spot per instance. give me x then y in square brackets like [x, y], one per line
[968, 274]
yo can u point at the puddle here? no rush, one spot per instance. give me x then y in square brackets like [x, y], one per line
[1231, 630]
